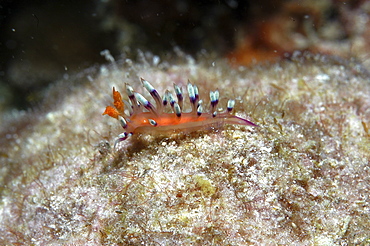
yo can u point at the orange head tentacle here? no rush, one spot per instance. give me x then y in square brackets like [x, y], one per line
[118, 103]
[112, 112]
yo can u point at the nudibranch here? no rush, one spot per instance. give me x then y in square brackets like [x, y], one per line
[143, 117]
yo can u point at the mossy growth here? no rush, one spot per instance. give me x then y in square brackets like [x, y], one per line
[205, 185]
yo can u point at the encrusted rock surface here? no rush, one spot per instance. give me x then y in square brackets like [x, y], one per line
[302, 178]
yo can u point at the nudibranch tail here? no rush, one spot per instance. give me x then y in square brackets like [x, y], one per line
[144, 117]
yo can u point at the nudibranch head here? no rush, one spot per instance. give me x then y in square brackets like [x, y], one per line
[143, 117]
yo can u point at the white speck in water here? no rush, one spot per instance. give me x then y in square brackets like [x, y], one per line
[156, 60]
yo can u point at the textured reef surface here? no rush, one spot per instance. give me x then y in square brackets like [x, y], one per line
[302, 178]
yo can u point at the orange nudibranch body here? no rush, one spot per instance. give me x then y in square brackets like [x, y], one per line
[155, 120]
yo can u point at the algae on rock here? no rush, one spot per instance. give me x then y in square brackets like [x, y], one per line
[301, 178]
